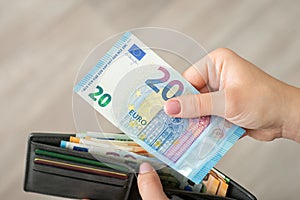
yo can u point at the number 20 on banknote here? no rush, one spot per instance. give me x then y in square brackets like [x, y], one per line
[104, 99]
[166, 76]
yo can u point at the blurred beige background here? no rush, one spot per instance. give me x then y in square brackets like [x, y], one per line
[43, 43]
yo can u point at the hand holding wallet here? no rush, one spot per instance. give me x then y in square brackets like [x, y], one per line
[55, 171]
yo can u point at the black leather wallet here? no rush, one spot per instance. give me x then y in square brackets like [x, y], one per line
[61, 182]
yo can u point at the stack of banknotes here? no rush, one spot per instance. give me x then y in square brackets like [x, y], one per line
[121, 153]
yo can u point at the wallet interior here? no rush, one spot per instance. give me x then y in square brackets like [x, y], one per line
[53, 180]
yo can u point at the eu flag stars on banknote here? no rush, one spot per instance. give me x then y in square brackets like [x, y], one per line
[129, 86]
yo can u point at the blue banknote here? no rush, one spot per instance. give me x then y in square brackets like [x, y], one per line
[129, 86]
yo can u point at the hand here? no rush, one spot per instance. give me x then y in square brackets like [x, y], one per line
[149, 183]
[241, 93]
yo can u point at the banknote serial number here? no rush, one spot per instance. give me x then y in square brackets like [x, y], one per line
[103, 99]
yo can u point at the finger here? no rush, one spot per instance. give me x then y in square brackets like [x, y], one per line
[190, 106]
[205, 89]
[205, 73]
[149, 183]
[196, 76]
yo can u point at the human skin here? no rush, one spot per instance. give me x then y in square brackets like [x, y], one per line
[233, 88]
[241, 93]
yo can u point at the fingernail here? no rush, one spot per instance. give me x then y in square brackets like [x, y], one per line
[172, 107]
[145, 168]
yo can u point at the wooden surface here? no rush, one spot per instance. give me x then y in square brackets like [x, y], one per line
[44, 42]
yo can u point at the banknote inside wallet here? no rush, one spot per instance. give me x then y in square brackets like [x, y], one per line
[60, 177]
[57, 171]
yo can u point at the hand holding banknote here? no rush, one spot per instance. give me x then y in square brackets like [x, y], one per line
[241, 93]
[266, 107]
[129, 86]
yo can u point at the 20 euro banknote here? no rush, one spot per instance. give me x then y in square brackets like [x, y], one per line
[129, 86]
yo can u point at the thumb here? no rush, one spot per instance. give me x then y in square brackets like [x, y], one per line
[149, 183]
[196, 105]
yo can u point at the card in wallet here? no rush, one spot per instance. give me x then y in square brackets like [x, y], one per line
[67, 173]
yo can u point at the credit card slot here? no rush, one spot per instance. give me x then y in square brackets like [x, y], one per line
[80, 175]
[109, 160]
[36, 145]
[108, 177]
[81, 167]
[59, 182]
[68, 183]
